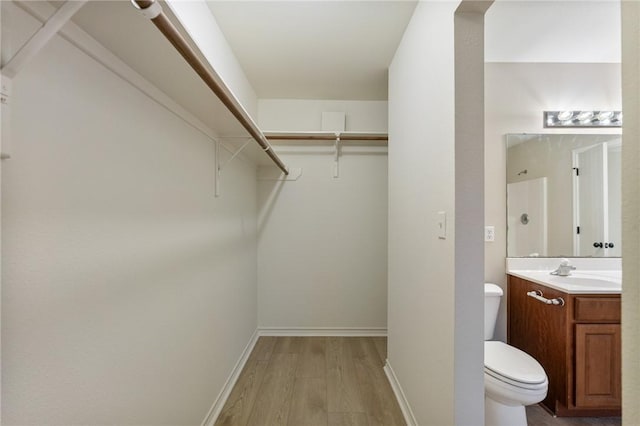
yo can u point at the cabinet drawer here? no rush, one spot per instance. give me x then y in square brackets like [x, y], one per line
[597, 309]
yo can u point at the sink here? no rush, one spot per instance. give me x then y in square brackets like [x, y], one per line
[593, 282]
[584, 280]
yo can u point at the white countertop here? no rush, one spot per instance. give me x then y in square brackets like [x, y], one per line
[579, 282]
[551, 263]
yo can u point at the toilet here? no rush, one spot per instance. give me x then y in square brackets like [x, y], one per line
[512, 378]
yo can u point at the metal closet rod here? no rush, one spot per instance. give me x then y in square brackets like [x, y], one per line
[153, 11]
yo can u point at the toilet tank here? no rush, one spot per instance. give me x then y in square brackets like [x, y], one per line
[492, 296]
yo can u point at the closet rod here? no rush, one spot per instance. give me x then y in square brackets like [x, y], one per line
[343, 137]
[152, 10]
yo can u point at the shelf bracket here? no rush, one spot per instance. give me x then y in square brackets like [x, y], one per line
[220, 165]
[42, 37]
[336, 158]
[27, 52]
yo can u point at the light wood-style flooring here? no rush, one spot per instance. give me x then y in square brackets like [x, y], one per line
[330, 381]
[313, 381]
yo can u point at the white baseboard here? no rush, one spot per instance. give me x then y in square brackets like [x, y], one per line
[409, 418]
[323, 331]
[216, 408]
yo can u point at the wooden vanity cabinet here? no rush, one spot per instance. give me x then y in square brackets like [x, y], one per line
[577, 344]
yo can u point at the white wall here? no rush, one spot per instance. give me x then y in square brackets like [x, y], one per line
[129, 291]
[515, 96]
[630, 212]
[322, 245]
[3, 133]
[306, 114]
[421, 183]
[468, 394]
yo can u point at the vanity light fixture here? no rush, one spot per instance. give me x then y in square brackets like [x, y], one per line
[582, 119]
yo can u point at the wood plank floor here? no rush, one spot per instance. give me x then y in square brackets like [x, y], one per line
[330, 381]
[313, 381]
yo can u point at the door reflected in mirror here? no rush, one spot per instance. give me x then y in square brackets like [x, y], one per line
[563, 195]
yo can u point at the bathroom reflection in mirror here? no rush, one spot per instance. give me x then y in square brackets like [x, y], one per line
[563, 195]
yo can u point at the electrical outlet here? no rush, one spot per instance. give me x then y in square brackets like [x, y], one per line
[490, 233]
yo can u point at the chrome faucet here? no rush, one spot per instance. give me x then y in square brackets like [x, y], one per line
[564, 270]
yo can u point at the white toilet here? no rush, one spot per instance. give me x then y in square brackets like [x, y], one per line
[512, 378]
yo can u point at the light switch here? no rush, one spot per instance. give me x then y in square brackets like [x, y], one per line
[442, 225]
[490, 233]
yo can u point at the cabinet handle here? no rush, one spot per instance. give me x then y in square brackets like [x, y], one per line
[537, 294]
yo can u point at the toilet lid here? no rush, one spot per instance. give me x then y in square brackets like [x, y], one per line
[512, 363]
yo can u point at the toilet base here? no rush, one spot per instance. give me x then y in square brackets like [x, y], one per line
[497, 414]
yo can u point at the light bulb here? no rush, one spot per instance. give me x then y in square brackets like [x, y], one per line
[565, 115]
[585, 116]
[605, 115]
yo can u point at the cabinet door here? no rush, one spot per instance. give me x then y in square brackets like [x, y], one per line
[541, 331]
[598, 365]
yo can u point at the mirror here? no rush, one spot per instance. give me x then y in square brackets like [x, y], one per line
[563, 195]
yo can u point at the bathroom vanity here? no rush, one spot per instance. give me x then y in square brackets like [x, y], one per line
[571, 326]
[563, 198]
